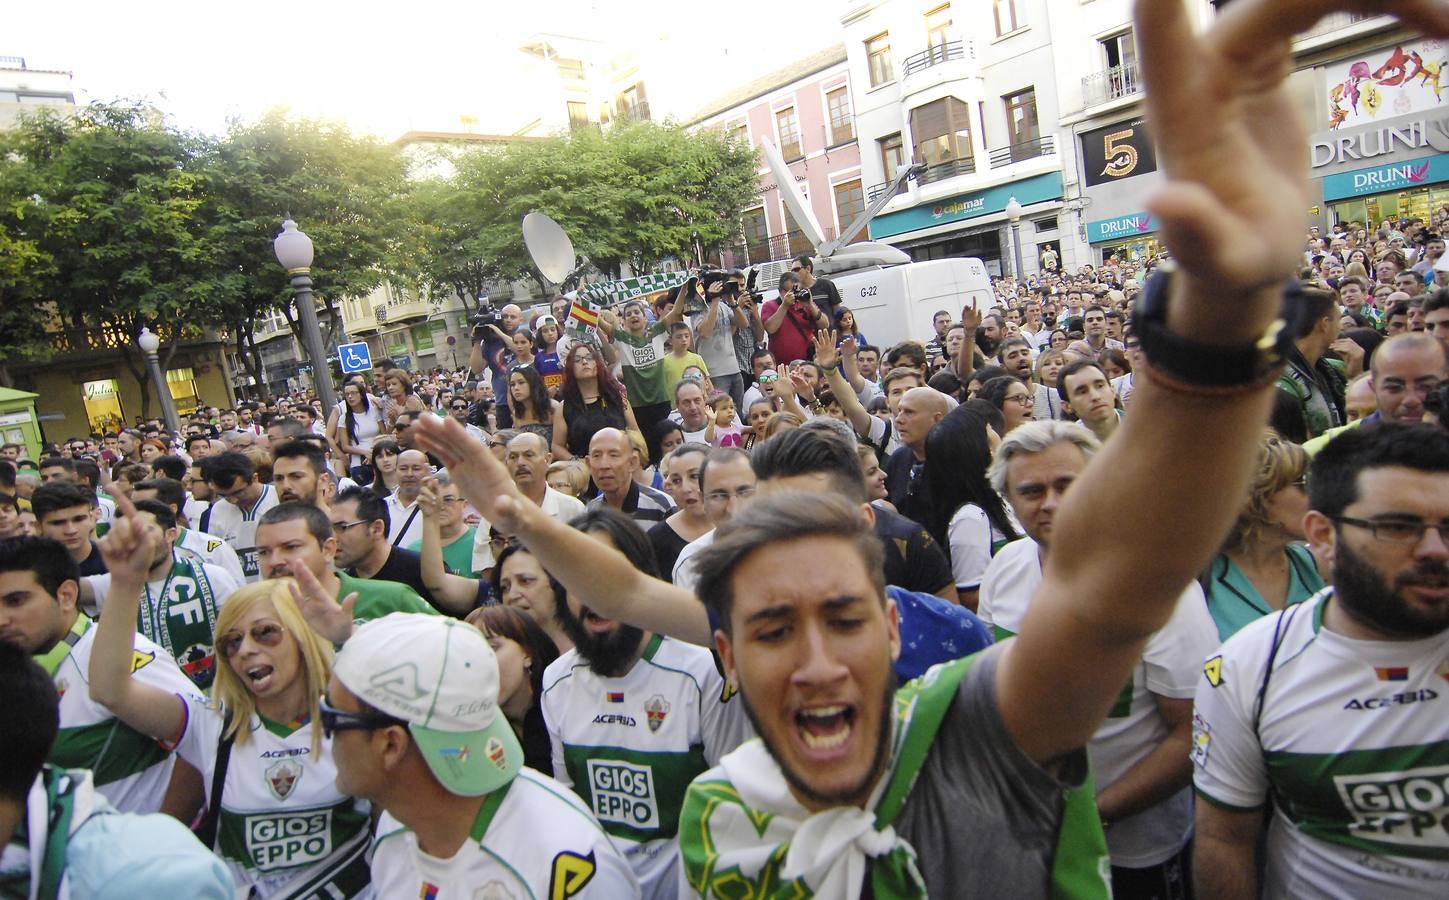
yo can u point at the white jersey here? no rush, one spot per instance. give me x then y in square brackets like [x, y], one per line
[404, 523]
[531, 839]
[238, 527]
[284, 830]
[1351, 744]
[179, 612]
[211, 550]
[1169, 667]
[630, 746]
[131, 769]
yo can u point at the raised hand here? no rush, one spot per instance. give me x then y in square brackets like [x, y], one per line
[825, 353]
[330, 619]
[428, 498]
[1231, 143]
[128, 547]
[848, 347]
[475, 470]
[784, 388]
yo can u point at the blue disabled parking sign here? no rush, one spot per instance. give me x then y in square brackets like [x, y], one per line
[354, 358]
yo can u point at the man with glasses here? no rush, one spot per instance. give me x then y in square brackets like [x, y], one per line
[727, 482]
[1330, 706]
[1405, 370]
[791, 320]
[451, 537]
[822, 290]
[233, 479]
[459, 408]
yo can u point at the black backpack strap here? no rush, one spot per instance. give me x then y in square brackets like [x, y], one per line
[206, 828]
[406, 525]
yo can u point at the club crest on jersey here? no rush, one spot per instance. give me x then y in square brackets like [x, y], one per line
[656, 709]
[60, 688]
[496, 753]
[282, 777]
[198, 662]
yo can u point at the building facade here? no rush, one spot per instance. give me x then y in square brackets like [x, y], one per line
[806, 111]
[23, 89]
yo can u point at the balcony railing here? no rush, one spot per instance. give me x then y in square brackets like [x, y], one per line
[1111, 84]
[941, 171]
[1045, 145]
[876, 190]
[934, 56]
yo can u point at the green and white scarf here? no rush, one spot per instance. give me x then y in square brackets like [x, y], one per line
[181, 617]
[745, 835]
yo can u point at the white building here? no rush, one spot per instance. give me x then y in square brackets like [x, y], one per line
[23, 89]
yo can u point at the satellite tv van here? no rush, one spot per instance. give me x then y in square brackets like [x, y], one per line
[892, 297]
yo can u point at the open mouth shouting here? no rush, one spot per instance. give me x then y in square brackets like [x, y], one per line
[825, 730]
[259, 678]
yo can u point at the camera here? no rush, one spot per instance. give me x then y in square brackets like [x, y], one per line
[486, 315]
[800, 294]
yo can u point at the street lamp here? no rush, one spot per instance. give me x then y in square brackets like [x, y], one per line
[294, 252]
[1013, 214]
[149, 344]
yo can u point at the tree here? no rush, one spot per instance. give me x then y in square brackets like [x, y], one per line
[348, 193]
[634, 193]
[107, 237]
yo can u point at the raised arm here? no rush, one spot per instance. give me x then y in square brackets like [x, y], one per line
[710, 319]
[828, 358]
[602, 577]
[1234, 153]
[127, 550]
[456, 594]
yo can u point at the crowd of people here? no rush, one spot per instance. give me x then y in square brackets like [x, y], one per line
[1134, 584]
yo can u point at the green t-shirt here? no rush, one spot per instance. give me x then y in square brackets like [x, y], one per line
[674, 367]
[643, 361]
[457, 556]
[376, 599]
[1233, 601]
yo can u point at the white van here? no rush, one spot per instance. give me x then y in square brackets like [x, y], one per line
[897, 303]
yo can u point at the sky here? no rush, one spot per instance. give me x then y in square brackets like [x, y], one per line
[387, 68]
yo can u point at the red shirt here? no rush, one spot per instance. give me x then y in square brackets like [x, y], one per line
[795, 336]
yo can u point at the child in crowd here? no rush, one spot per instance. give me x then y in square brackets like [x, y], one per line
[681, 355]
[723, 429]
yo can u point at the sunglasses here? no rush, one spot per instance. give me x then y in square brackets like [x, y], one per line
[266, 634]
[334, 720]
[768, 377]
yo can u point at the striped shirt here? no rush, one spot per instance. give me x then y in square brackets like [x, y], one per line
[642, 504]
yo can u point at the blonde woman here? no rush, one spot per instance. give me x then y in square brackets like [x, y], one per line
[1264, 566]
[280, 823]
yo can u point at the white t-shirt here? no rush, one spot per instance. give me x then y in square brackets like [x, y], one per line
[532, 839]
[238, 527]
[404, 521]
[131, 769]
[284, 829]
[1352, 742]
[683, 576]
[1170, 666]
[972, 539]
[212, 550]
[630, 746]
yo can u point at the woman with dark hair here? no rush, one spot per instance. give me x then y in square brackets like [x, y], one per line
[1113, 363]
[688, 523]
[532, 409]
[521, 350]
[384, 466]
[358, 427]
[1013, 397]
[401, 397]
[519, 582]
[967, 517]
[523, 650]
[1058, 339]
[593, 399]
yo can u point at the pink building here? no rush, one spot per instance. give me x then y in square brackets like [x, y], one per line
[806, 111]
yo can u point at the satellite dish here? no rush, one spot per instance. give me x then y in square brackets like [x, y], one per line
[551, 249]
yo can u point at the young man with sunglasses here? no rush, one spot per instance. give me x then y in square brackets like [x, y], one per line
[412, 710]
[40, 612]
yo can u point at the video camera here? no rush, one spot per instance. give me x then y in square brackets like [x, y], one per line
[486, 315]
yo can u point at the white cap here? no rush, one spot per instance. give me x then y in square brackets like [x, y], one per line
[440, 676]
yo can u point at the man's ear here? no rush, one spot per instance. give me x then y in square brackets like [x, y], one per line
[725, 648]
[867, 512]
[68, 595]
[1321, 534]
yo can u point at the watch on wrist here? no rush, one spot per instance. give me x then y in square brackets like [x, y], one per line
[1189, 364]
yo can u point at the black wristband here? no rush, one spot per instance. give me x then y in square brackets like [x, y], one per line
[1212, 366]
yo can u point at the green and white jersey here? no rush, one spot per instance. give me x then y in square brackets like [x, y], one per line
[284, 829]
[1170, 666]
[211, 549]
[179, 612]
[532, 839]
[131, 769]
[238, 527]
[630, 746]
[1351, 743]
[642, 359]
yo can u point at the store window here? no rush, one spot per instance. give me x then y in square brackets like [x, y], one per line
[183, 390]
[103, 405]
[1369, 211]
[1136, 250]
[878, 59]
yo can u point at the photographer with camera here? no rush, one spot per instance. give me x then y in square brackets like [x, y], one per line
[791, 321]
[823, 290]
[715, 329]
[492, 340]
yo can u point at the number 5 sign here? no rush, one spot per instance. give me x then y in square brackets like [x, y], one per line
[1117, 151]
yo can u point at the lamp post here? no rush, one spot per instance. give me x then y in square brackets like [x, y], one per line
[294, 252]
[149, 344]
[1013, 214]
